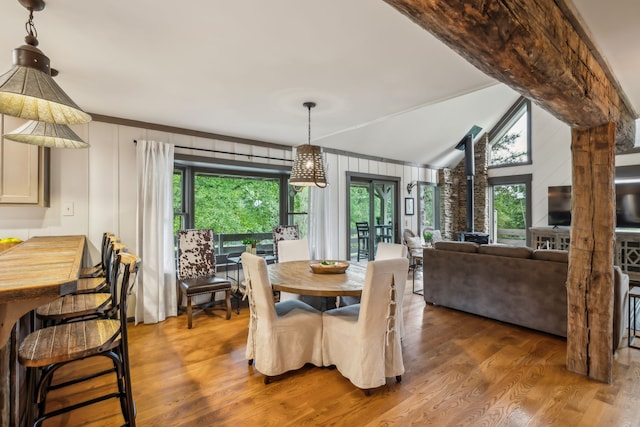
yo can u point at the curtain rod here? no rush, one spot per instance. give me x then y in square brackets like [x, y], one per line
[209, 150]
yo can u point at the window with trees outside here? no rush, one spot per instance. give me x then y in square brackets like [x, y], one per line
[428, 206]
[510, 139]
[237, 204]
[511, 201]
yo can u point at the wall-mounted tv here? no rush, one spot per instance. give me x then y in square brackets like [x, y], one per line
[627, 205]
[559, 212]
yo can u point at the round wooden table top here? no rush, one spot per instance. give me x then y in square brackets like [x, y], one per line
[296, 277]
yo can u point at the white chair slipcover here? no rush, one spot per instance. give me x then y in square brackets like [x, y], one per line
[293, 250]
[283, 336]
[362, 340]
[390, 250]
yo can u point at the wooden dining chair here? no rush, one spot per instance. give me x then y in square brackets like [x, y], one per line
[282, 336]
[196, 272]
[362, 340]
[47, 350]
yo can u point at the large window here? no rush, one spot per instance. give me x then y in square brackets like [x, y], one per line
[511, 202]
[510, 139]
[236, 203]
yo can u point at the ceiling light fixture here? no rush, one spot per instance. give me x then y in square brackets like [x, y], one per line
[308, 166]
[46, 135]
[28, 90]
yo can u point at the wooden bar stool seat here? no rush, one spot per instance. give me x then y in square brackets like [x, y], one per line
[91, 285]
[74, 307]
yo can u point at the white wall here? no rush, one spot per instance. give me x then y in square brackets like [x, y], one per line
[101, 183]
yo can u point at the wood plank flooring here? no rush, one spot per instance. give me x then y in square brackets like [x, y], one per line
[461, 370]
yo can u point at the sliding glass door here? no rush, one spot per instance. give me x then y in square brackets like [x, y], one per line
[372, 214]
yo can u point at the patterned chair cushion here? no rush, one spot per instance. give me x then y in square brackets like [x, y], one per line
[196, 254]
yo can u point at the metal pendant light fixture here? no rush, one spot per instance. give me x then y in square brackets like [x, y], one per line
[28, 90]
[308, 166]
[46, 135]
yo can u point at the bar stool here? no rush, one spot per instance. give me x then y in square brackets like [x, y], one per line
[363, 239]
[47, 350]
[98, 270]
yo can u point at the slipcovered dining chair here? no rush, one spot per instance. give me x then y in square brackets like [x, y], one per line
[293, 250]
[362, 340]
[197, 271]
[283, 336]
[390, 250]
[284, 232]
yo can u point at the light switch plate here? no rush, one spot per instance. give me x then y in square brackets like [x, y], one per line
[67, 209]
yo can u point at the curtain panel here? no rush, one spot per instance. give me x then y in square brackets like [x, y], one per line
[156, 297]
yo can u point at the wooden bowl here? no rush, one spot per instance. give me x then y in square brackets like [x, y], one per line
[333, 267]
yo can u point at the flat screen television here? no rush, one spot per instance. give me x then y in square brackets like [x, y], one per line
[627, 205]
[559, 212]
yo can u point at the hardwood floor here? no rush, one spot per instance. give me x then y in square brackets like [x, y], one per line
[461, 370]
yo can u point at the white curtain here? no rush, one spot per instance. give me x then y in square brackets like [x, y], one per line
[156, 291]
[323, 223]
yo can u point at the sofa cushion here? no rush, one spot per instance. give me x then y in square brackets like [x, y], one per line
[551, 255]
[506, 250]
[469, 247]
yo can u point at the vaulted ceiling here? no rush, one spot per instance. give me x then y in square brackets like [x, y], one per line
[384, 86]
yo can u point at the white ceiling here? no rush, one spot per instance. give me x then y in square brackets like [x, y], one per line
[384, 86]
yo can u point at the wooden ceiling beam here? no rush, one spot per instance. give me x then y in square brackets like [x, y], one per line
[533, 47]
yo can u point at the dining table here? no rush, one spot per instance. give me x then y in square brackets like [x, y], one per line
[35, 272]
[297, 277]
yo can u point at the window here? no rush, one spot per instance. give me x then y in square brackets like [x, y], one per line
[510, 139]
[428, 206]
[179, 211]
[236, 202]
[511, 207]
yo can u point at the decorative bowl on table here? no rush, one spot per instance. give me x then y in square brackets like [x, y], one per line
[329, 267]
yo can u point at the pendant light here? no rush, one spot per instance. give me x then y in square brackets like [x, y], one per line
[28, 90]
[46, 135]
[308, 166]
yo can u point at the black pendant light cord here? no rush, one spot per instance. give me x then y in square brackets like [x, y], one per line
[309, 106]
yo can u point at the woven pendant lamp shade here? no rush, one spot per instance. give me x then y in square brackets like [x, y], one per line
[308, 167]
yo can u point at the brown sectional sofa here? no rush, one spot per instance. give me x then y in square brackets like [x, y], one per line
[512, 284]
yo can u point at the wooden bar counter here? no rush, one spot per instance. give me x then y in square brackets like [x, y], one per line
[35, 272]
[32, 273]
